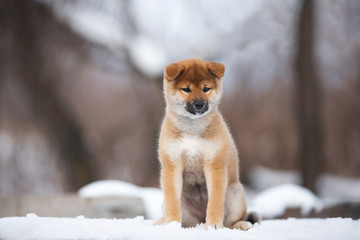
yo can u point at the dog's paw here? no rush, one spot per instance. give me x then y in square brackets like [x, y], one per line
[215, 226]
[160, 221]
[242, 225]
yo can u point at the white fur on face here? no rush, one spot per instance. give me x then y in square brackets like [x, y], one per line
[215, 100]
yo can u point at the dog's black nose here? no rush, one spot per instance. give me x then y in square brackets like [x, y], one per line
[199, 105]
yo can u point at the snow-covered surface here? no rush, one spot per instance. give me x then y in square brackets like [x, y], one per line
[335, 189]
[332, 189]
[274, 201]
[270, 198]
[152, 197]
[269, 203]
[33, 227]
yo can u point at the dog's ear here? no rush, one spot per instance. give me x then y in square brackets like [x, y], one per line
[173, 71]
[216, 69]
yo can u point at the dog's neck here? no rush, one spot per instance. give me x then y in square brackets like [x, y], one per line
[192, 126]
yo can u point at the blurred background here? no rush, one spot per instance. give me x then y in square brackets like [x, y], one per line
[81, 89]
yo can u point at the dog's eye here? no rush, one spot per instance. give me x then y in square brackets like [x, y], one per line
[186, 89]
[206, 89]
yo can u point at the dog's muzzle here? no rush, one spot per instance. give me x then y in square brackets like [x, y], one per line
[197, 107]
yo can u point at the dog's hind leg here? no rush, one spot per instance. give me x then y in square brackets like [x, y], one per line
[250, 220]
[236, 216]
[243, 225]
[235, 205]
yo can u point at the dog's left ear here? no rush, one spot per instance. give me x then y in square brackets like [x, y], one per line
[216, 69]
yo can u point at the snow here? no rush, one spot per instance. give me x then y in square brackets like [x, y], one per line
[33, 227]
[335, 189]
[270, 199]
[332, 189]
[270, 202]
[152, 197]
[274, 201]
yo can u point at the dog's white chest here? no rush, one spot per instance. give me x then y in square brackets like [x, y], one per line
[192, 149]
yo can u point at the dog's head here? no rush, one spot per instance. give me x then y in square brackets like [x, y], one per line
[192, 87]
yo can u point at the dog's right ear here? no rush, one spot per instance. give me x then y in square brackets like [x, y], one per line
[216, 69]
[173, 71]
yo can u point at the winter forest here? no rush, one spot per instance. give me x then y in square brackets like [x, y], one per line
[81, 96]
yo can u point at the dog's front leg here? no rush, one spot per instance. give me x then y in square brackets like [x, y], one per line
[216, 181]
[171, 183]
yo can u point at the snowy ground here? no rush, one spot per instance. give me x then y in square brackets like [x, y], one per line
[332, 189]
[273, 192]
[152, 197]
[269, 203]
[33, 227]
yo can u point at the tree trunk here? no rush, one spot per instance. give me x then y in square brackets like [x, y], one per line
[308, 99]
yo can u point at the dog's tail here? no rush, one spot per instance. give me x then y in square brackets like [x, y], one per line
[253, 217]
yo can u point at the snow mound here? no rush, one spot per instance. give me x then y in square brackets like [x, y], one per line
[332, 189]
[336, 189]
[152, 197]
[33, 227]
[274, 201]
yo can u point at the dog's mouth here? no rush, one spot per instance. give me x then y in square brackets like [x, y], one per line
[197, 107]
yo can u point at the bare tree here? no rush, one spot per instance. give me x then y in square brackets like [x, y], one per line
[308, 99]
[23, 22]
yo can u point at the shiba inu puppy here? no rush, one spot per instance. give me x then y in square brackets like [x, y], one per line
[199, 162]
